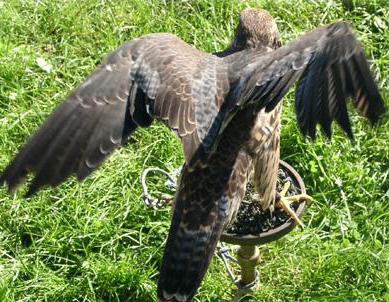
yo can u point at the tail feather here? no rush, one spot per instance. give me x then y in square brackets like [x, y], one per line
[198, 221]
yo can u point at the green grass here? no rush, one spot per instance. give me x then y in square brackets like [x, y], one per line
[96, 241]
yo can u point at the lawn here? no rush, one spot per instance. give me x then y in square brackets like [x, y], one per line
[96, 241]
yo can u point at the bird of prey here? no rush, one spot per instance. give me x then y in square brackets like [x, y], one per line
[225, 107]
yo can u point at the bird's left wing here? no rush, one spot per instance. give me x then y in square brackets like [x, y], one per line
[331, 67]
[151, 77]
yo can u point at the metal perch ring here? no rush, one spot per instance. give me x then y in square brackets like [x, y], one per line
[148, 199]
[223, 253]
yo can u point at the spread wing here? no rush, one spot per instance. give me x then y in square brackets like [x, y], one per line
[148, 77]
[330, 67]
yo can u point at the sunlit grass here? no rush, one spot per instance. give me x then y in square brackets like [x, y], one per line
[96, 241]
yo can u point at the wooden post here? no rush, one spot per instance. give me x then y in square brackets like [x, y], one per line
[248, 258]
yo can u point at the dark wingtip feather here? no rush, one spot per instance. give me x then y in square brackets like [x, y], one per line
[11, 181]
[380, 110]
[312, 132]
[2, 179]
[368, 99]
[350, 134]
[5, 183]
[29, 193]
[345, 124]
[326, 129]
[33, 188]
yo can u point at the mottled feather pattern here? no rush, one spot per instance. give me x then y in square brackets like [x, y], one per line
[203, 207]
[225, 108]
[204, 91]
[91, 108]
[266, 78]
[265, 144]
[122, 92]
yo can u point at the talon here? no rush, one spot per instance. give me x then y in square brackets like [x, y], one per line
[284, 202]
[166, 199]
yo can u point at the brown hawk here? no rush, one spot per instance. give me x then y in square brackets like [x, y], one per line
[225, 107]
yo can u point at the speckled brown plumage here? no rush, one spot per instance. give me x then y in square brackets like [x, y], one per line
[225, 107]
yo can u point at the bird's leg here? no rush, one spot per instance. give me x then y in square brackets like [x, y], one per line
[284, 202]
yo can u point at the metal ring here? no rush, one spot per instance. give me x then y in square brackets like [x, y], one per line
[148, 199]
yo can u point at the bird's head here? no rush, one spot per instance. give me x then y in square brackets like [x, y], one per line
[256, 28]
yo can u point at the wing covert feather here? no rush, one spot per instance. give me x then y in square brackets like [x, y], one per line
[143, 79]
[330, 67]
